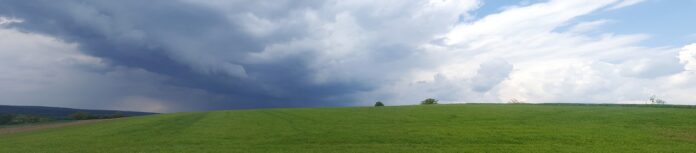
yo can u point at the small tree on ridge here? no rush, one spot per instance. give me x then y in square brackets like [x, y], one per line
[379, 104]
[655, 100]
[429, 101]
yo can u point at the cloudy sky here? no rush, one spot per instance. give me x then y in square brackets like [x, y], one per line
[187, 55]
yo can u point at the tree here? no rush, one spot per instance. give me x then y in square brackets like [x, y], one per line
[657, 101]
[6, 118]
[429, 101]
[80, 116]
[378, 104]
[515, 101]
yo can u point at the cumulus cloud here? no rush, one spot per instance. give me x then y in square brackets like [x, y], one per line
[687, 56]
[652, 67]
[552, 65]
[490, 74]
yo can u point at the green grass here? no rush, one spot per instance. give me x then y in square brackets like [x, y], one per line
[437, 128]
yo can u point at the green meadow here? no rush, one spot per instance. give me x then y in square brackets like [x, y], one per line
[433, 128]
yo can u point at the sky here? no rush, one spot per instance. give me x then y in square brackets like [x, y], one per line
[196, 55]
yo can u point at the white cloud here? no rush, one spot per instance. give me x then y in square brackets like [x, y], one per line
[571, 81]
[9, 20]
[651, 67]
[687, 56]
[490, 74]
[588, 26]
[549, 66]
[537, 18]
[624, 3]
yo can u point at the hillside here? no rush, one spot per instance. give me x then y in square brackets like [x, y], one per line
[60, 113]
[438, 128]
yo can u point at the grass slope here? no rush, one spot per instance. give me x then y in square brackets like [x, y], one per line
[441, 128]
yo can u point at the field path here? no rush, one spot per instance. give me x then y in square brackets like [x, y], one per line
[25, 128]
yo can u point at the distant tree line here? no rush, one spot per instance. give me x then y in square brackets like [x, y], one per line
[88, 116]
[6, 119]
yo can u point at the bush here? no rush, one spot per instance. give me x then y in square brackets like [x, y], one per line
[429, 101]
[80, 116]
[379, 104]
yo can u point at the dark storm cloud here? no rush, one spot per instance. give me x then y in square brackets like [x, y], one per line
[194, 46]
[172, 55]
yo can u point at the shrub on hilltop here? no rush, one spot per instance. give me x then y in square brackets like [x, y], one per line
[429, 101]
[379, 104]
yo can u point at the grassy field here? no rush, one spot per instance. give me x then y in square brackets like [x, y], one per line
[437, 128]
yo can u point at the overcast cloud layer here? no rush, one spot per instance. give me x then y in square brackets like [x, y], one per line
[165, 55]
